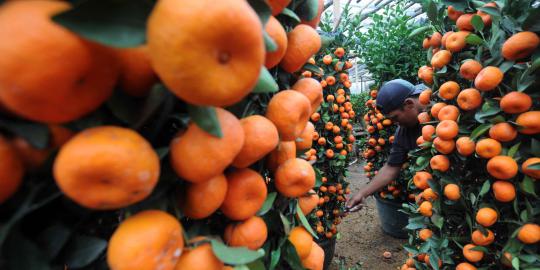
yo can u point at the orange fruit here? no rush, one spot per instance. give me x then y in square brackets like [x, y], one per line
[98, 169]
[44, 87]
[427, 132]
[423, 117]
[315, 117]
[209, 155]
[452, 192]
[260, 138]
[279, 36]
[531, 172]
[502, 167]
[11, 170]
[428, 194]
[472, 255]
[308, 202]
[515, 102]
[465, 266]
[305, 140]
[329, 153]
[202, 199]
[520, 45]
[301, 240]
[503, 132]
[488, 148]
[289, 110]
[480, 239]
[426, 43]
[387, 122]
[304, 42]
[448, 112]
[486, 216]
[276, 6]
[469, 99]
[530, 122]
[456, 41]
[315, 259]
[421, 179]
[339, 52]
[447, 129]
[175, 26]
[136, 73]
[312, 89]
[426, 74]
[153, 233]
[441, 59]
[445, 37]
[463, 23]
[488, 78]
[529, 234]
[251, 233]
[315, 21]
[465, 146]
[436, 108]
[199, 257]
[453, 14]
[469, 69]
[294, 178]
[426, 209]
[246, 194]
[449, 90]
[327, 59]
[444, 146]
[425, 97]
[504, 191]
[284, 151]
[486, 18]
[440, 163]
[435, 40]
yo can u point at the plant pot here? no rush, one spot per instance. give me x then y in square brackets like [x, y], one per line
[392, 220]
[329, 247]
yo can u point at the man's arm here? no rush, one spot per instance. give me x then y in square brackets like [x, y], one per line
[386, 174]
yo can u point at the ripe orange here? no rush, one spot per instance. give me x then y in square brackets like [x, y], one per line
[452, 192]
[465, 266]
[276, 6]
[445, 37]
[435, 40]
[436, 108]
[449, 90]
[251, 233]
[308, 202]
[472, 255]
[315, 259]
[516, 102]
[209, 155]
[469, 99]
[11, 170]
[530, 122]
[198, 257]
[339, 52]
[529, 234]
[312, 89]
[444, 146]
[424, 234]
[426, 74]
[98, 170]
[520, 45]
[465, 146]
[456, 41]
[448, 112]
[427, 132]
[504, 191]
[154, 233]
[488, 148]
[279, 36]
[421, 179]
[302, 241]
[202, 199]
[426, 209]
[305, 140]
[289, 110]
[294, 178]
[503, 132]
[136, 73]
[428, 194]
[469, 69]
[260, 137]
[423, 117]
[480, 239]
[441, 59]
[463, 23]
[447, 129]
[44, 86]
[315, 117]
[531, 172]
[426, 43]
[284, 151]
[420, 140]
[440, 162]
[327, 59]
[246, 194]
[453, 14]
[502, 167]
[488, 78]
[425, 97]
[486, 216]
[175, 26]
[304, 42]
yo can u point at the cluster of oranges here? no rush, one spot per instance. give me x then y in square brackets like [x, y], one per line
[484, 166]
[53, 76]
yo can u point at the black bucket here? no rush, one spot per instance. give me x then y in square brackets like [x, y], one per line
[392, 220]
[329, 247]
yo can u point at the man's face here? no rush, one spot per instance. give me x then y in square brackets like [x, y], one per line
[406, 116]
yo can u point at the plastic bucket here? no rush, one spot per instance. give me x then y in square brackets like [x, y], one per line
[392, 220]
[329, 247]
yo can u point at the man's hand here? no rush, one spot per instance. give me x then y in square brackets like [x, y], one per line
[356, 202]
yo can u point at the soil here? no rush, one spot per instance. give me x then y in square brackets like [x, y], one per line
[362, 239]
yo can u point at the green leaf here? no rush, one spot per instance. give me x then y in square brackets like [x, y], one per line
[206, 119]
[275, 256]
[268, 203]
[419, 30]
[477, 23]
[289, 13]
[36, 134]
[437, 220]
[235, 255]
[256, 265]
[266, 83]
[527, 185]
[480, 130]
[120, 23]
[82, 250]
[304, 221]
[136, 111]
[513, 150]
[485, 188]
[312, 68]
[535, 147]
[474, 39]
[493, 11]
[525, 81]
[432, 12]
[534, 166]
[507, 65]
[532, 23]
[262, 9]
[291, 256]
[308, 10]
[286, 223]
[53, 238]
[269, 44]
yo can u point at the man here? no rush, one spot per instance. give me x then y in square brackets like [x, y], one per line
[398, 101]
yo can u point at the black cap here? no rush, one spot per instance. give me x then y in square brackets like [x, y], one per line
[393, 93]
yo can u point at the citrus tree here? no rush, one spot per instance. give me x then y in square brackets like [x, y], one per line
[476, 172]
[156, 134]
